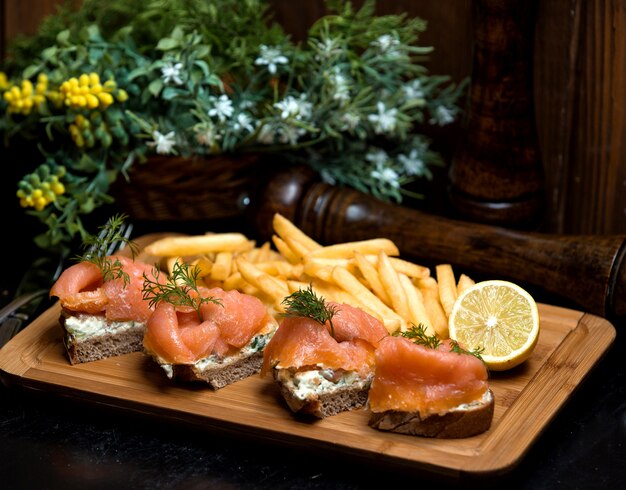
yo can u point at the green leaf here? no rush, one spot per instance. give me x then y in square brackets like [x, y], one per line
[63, 37]
[169, 93]
[155, 87]
[30, 71]
[167, 43]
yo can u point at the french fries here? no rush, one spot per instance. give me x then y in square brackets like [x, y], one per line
[198, 245]
[368, 274]
[447, 287]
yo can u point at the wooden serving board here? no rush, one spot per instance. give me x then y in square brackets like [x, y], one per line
[527, 398]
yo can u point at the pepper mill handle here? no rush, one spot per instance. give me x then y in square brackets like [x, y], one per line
[586, 270]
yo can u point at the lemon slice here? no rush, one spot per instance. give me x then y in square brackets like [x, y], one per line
[499, 317]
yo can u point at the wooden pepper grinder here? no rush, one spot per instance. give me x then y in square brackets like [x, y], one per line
[497, 177]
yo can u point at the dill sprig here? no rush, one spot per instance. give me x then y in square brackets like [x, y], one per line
[417, 333]
[177, 289]
[460, 350]
[98, 247]
[305, 303]
[419, 336]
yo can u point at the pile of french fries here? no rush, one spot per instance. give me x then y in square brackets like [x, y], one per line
[368, 274]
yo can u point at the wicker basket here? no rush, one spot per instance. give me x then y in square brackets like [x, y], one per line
[170, 188]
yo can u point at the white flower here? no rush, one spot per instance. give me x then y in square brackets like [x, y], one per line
[385, 120]
[271, 56]
[171, 73]
[386, 43]
[413, 90]
[412, 163]
[327, 49]
[300, 109]
[386, 176]
[164, 142]
[222, 107]
[378, 157]
[350, 121]
[267, 134]
[290, 134]
[442, 116]
[243, 122]
[208, 137]
[340, 85]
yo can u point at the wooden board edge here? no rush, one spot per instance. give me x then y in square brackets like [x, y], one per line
[570, 363]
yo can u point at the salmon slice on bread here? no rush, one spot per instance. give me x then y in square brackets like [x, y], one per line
[102, 319]
[323, 369]
[432, 391]
[219, 343]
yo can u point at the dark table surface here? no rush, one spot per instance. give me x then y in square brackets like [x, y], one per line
[51, 442]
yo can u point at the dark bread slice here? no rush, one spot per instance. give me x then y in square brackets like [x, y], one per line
[324, 404]
[94, 348]
[220, 375]
[469, 421]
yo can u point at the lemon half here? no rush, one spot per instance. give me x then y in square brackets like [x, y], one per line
[499, 317]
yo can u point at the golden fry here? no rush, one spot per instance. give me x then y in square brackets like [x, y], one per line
[280, 268]
[272, 286]
[447, 287]
[171, 261]
[465, 282]
[370, 273]
[285, 228]
[390, 281]
[321, 271]
[298, 248]
[348, 249]
[285, 250]
[403, 266]
[222, 266]
[417, 311]
[364, 296]
[199, 244]
[203, 265]
[430, 294]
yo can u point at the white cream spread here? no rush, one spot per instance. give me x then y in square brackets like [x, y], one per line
[83, 326]
[256, 344]
[304, 384]
[486, 398]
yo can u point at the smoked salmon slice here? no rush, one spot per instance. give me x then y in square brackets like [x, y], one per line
[81, 289]
[409, 377]
[177, 335]
[304, 343]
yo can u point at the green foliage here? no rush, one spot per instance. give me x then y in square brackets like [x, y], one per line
[103, 87]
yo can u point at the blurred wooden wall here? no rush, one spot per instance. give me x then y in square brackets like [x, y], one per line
[579, 91]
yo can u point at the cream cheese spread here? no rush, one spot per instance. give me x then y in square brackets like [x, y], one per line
[83, 326]
[313, 382]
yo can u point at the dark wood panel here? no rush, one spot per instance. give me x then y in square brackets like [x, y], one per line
[580, 88]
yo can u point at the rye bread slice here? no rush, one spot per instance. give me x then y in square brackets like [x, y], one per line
[466, 422]
[323, 405]
[219, 375]
[97, 347]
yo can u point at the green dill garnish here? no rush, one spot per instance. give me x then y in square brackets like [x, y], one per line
[460, 350]
[419, 336]
[177, 289]
[99, 247]
[305, 303]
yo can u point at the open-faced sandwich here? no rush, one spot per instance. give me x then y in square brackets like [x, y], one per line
[205, 334]
[426, 387]
[322, 355]
[103, 313]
